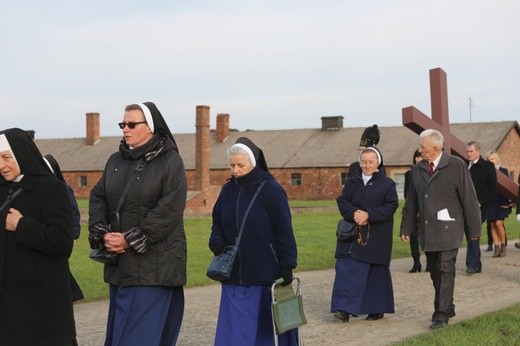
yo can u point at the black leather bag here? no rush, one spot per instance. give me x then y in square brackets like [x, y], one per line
[104, 256]
[221, 266]
[347, 231]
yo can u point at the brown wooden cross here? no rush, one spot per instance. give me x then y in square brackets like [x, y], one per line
[416, 121]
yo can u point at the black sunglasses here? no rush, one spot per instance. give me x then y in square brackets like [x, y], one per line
[130, 124]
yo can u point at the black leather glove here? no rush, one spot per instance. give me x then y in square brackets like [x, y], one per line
[95, 236]
[218, 248]
[287, 276]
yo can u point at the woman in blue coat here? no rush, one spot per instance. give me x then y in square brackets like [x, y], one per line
[267, 249]
[363, 284]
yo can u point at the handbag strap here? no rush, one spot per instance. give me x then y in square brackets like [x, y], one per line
[10, 197]
[139, 168]
[247, 212]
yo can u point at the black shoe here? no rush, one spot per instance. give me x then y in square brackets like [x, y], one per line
[416, 268]
[438, 324]
[374, 317]
[489, 248]
[450, 314]
[473, 270]
[342, 316]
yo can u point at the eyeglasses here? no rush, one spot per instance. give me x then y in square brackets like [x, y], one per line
[368, 163]
[130, 124]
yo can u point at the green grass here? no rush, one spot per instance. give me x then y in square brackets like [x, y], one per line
[314, 229]
[495, 328]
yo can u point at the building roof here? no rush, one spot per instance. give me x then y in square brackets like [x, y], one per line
[298, 148]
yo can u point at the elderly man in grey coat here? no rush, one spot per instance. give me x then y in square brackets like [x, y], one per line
[441, 201]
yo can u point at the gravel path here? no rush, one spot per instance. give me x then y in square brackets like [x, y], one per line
[474, 295]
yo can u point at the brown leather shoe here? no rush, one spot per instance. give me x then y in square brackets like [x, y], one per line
[503, 250]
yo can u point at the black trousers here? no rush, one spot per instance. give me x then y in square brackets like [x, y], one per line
[414, 247]
[442, 273]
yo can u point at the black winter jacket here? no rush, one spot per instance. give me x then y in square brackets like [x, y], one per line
[153, 209]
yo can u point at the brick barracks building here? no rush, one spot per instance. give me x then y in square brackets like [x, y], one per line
[309, 163]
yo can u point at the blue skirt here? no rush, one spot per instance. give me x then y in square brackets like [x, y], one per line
[144, 315]
[362, 288]
[245, 318]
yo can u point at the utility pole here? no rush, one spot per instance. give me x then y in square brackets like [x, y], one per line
[470, 103]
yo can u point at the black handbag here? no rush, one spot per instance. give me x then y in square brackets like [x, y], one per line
[347, 231]
[102, 255]
[221, 266]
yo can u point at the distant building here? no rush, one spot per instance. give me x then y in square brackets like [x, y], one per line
[309, 163]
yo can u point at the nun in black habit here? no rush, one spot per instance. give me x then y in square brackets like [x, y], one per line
[35, 243]
[136, 210]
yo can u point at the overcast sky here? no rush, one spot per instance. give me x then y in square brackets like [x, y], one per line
[270, 64]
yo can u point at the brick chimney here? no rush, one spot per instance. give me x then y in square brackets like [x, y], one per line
[222, 132]
[202, 148]
[332, 123]
[93, 130]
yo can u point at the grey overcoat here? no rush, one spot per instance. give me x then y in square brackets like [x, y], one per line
[450, 188]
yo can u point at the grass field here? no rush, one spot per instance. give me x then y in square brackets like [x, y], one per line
[314, 226]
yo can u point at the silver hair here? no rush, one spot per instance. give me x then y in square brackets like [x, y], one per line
[236, 150]
[433, 134]
[475, 145]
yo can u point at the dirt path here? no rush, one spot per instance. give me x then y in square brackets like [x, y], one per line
[474, 295]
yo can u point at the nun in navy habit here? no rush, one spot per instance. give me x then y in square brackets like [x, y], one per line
[35, 244]
[362, 284]
[267, 249]
[136, 211]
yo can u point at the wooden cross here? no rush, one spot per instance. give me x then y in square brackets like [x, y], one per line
[416, 121]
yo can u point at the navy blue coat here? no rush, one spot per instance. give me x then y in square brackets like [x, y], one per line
[379, 199]
[267, 244]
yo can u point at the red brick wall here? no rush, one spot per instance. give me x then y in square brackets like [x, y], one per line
[73, 179]
[508, 153]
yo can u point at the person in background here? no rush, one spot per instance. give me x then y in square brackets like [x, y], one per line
[369, 138]
[77, 294]
[517, 244]
[267, 249]
[442, 194]
[36, 241]
[136, 210]
[498, 210]
[363, 284]
[484, 177]
[414, 240]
